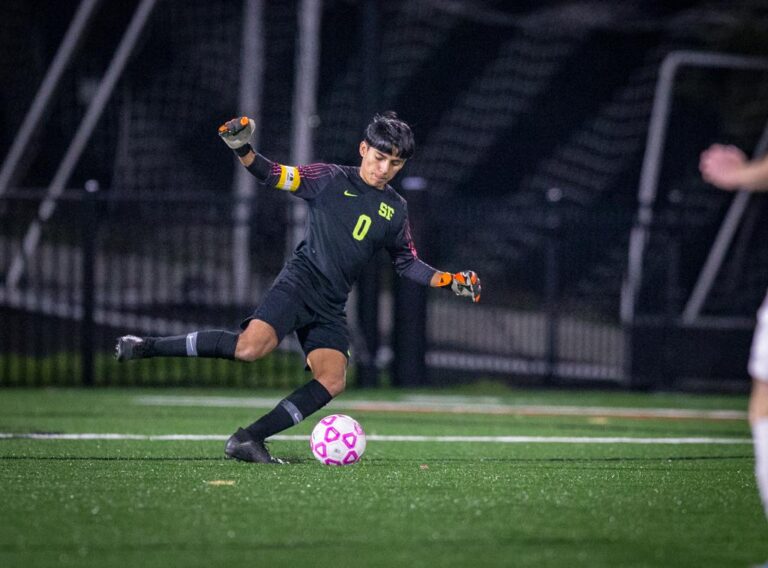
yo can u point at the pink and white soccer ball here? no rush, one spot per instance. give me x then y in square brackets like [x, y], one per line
[337, 440]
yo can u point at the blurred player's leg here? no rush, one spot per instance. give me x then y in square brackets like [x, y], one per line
[758, 413]
[758, 402]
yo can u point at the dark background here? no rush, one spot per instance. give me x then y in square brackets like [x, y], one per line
[508, 100]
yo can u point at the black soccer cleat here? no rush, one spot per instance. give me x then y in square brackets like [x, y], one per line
[243, 447]
[131, 347]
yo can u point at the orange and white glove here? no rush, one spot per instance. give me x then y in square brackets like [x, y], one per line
[236, 133]
[465, 283]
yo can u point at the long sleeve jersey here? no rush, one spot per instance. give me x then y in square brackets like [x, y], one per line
[349, 222]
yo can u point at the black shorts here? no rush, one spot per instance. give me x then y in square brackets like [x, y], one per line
[284, 310]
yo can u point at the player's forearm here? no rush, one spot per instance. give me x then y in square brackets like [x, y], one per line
[417, 271]
[248, 158]
[254, 162]
[727, 167]
[420, 272]
[754, 176]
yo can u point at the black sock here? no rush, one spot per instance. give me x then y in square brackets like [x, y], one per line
[291, 410]
[214, 343]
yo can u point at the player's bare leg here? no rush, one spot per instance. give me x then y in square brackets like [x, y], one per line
[258, 339]
[329, 367]
[758, 419]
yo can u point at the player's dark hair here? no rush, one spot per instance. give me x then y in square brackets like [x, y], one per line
[387, 133]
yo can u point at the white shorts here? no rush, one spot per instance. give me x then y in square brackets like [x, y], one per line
[758, 356]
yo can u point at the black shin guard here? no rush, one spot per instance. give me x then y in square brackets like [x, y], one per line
[291, 410]
[215, 343]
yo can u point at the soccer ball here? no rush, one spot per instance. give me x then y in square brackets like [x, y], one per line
[337, 440]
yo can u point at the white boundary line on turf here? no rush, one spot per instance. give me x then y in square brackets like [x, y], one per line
[451, 406]
[380, 438]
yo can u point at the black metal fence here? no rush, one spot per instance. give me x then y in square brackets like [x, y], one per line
[104, 265]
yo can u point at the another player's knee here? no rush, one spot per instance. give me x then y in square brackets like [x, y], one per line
[758, 402]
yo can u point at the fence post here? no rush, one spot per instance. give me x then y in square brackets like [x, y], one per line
[552, 281]
[87, 332]
[368, 285]
[409, 331]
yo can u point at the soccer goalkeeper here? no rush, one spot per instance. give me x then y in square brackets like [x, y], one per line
[353, 213]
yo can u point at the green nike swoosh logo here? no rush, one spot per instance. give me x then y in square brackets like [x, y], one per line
[346, 192]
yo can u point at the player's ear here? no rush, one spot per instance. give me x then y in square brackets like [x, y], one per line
[363, 148]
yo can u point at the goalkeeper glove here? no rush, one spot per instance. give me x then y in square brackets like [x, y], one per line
[236, 133]
[464, 283]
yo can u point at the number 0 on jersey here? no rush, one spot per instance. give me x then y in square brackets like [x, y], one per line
[362, 226]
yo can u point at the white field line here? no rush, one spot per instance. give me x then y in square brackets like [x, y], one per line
[380, 438]
[454, 407]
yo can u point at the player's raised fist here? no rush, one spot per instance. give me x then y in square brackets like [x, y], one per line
[237, 132]
[466, 283]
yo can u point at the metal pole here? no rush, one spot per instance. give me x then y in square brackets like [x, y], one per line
[251, 81]
[305, 101]
[409, 331]
[648, 183]
[69, 45]
[552, 282]
[368, 284]
[87, 296]
[81, 138]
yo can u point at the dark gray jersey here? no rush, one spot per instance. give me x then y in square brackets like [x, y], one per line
[349, 221]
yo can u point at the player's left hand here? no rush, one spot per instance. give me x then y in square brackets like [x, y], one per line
[237, 132]
[466, 283]
[722, 166]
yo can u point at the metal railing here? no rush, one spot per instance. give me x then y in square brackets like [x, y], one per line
[107, 265]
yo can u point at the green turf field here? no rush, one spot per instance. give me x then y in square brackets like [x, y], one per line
[158, 502]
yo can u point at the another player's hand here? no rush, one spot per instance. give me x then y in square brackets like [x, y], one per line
[466, 283]
[237, 132]
[722, 166]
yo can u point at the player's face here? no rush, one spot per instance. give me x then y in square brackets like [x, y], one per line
[377, 167]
